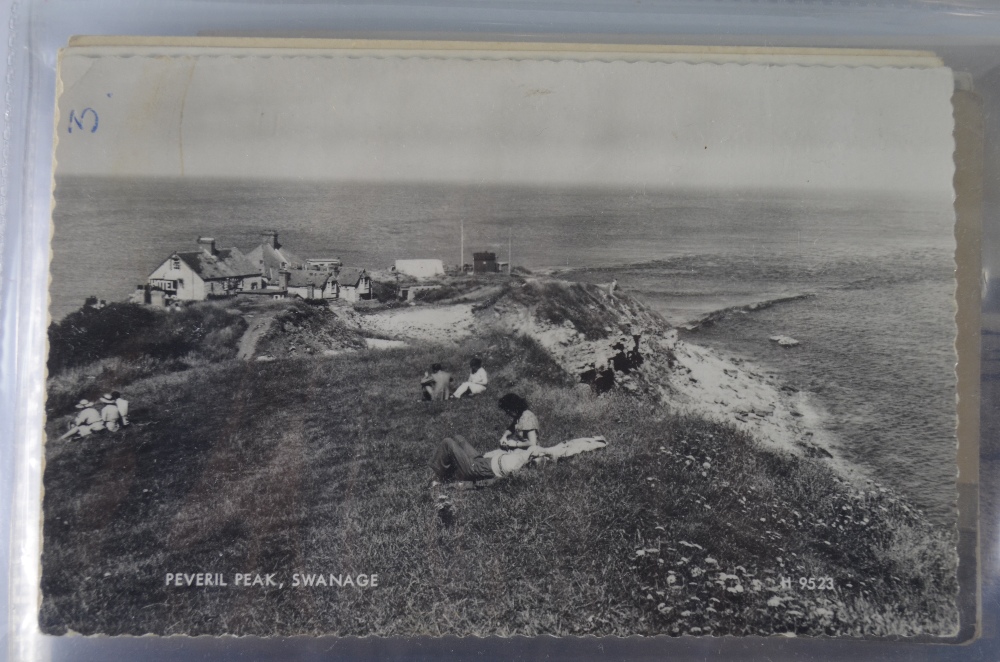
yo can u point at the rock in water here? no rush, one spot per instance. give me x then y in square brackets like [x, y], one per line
[785, 341]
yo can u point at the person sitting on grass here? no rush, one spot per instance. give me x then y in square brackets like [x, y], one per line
[523, 429]
[110, 414]
[122, 405]
[87, 422]
[476, 383]
[437, 384]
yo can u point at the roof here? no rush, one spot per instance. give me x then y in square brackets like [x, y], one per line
[484, 257]
[430, 262]
[304, 278]
[269, 260]
[350, 276]
[420, 268]
[225, 263]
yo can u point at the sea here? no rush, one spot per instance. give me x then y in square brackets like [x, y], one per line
[866, 279]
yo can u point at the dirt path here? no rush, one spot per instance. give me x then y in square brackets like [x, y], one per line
[257, 326]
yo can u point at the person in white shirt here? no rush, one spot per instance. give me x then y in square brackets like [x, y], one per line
[476, 384]
[122, 405]
[109, 413]
[87, 422]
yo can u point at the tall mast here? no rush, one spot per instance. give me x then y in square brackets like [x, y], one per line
[509, 263]
[461, 256]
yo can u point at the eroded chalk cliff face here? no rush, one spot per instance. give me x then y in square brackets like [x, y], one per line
[619, 343]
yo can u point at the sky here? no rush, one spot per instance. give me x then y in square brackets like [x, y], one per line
[507, 121]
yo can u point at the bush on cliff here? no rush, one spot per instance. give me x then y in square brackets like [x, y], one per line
[131, 331]
[302, 328]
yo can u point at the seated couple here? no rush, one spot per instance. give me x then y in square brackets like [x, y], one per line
[437, 383]
[113, 415]
[456, 459]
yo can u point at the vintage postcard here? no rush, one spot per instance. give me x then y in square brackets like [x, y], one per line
[423, 339]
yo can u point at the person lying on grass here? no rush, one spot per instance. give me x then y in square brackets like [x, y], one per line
[476, 383]
[456, 459]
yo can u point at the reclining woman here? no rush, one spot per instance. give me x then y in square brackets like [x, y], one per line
[457, 459]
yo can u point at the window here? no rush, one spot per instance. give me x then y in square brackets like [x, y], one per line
[175, 263]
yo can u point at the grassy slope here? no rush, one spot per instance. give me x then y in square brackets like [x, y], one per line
[320, 465]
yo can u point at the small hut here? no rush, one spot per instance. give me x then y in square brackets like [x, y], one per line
[485, 263]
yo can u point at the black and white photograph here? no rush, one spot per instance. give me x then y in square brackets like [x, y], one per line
[379, 339]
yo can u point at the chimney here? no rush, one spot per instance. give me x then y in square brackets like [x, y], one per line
[284, 275]
[270, 237]
[207, 244]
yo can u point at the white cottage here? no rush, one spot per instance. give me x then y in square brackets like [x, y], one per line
[209, 272]
[355, 284]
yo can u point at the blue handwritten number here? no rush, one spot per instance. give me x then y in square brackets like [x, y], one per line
[81, 119]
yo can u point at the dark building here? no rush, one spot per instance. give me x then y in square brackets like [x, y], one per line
[485, 263]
